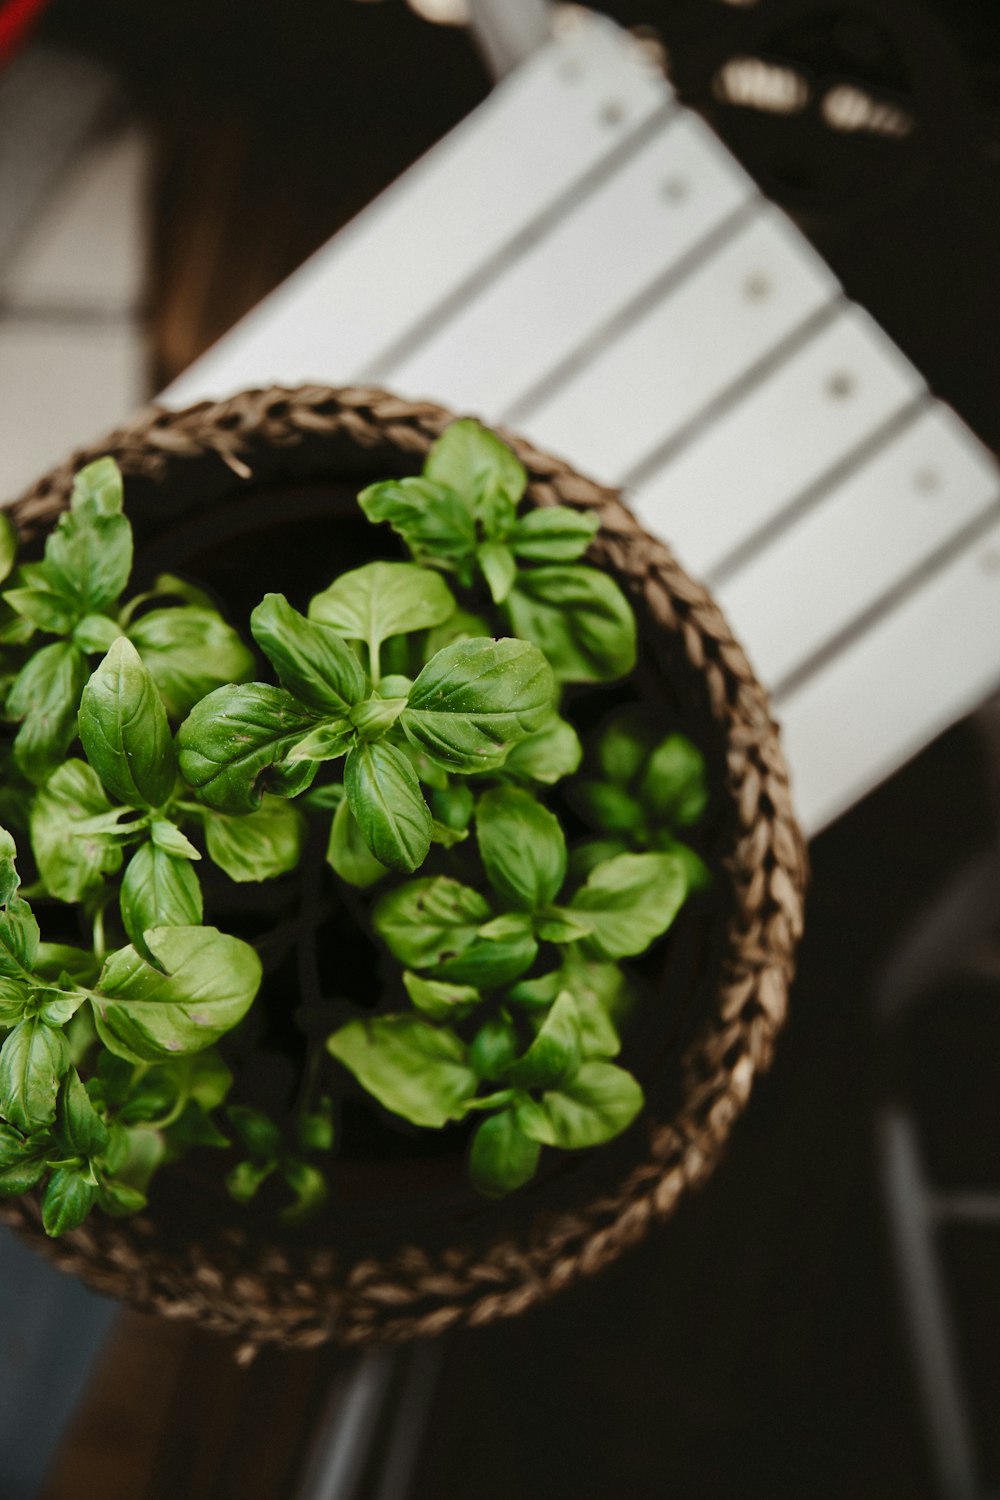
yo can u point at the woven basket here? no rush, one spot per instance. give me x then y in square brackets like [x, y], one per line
[408, 1273]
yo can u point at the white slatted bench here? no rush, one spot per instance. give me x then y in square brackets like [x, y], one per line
[582, 260]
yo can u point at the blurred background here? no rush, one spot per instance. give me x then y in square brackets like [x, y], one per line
[162, 167]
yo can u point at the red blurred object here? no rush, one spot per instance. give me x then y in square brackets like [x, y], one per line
[16, 18]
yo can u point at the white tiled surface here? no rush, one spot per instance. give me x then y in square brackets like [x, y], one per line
[61, 384]
[86, 249]
[71, 336]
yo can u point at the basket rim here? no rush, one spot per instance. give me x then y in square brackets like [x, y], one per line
[307, 1297]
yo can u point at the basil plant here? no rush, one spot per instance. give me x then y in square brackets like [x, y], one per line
[165, 778]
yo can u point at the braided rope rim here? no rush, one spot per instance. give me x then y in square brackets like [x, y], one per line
[301, 1296]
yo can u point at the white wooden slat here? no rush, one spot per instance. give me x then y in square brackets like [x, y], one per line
[698, 385]
[875, 705]
[545, 127]
[901, 507]
[651, 213]
[685, 350]
[755, 459]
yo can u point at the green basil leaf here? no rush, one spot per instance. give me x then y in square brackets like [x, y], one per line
[311, 660]
[429, 773]
[489, 963]
[555, 1053]
[42, 607]
[553, 533]
[96, 633]
[374, 718]
[348, 854]
[70, 1194]
[33, 1061]
[315, 1129]
[552, 752]
[258, 1132]
[522, 848]
[8, 545]
[22, 1163]
[433, 521]
[385, 797]
[412, 1068]
[673, 788]
[234, 742]
[585, 857]
[168, 586]
[15, 1001]
[17, 631]
[159, 890]
[18, 938]
[325, 798]
[54, 1005]
[459, 626]
[560, 926]
[309, 1186]
[189, 651]
[502, 1158]
[191, 1128]
[151, 1095]
[608, 807]
[597, 1104]
[600, 992]
[624, 744]
[445, 836]
[537, 994]
[629, 901]
[453, 806]
[475, 699]
[395, 685]
[124, 729]
[98, 490]
[204, 1076]
[696, 872]
[88, 557]
[327, 741]
[9, 878]
[168, 837]
[471, 460]
[495, 511]
[201, 986]
[78, 1125]
[119, 1200]
[246, 1179]
[499, 569]
[144, 1151]
[46, 695]
[383, 599]
[513, 924]
[53, 960]
[440, 1002]
[424, 921]
[493, 1048]
[259, 845]
[72, 832]
[579, 617]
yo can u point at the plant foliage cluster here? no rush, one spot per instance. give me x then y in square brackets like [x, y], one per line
[411, 717]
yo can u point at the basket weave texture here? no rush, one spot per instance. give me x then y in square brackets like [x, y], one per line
[301, 1295]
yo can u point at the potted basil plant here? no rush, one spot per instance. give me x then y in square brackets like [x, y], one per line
[439, 761]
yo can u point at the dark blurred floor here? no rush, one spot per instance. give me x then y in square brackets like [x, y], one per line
[752, 1347]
